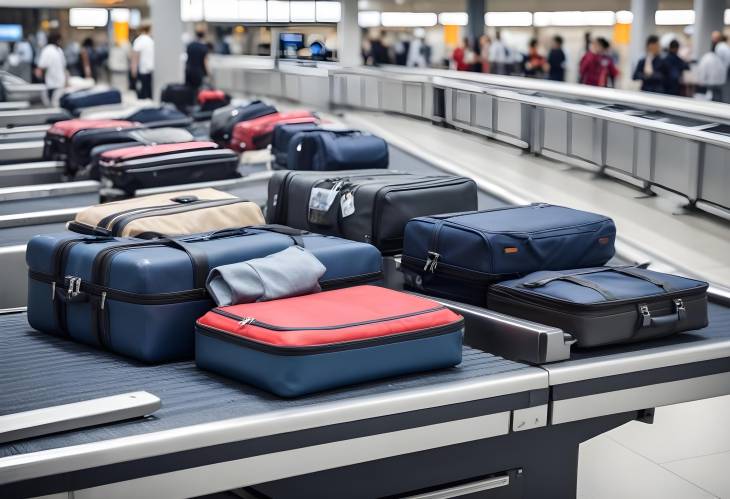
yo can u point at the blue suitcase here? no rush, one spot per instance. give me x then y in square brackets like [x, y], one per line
[459, 255]
[75, 101]
[330, 150]
[142, 298]
[605, 305]
[282, 136]
[160, 116]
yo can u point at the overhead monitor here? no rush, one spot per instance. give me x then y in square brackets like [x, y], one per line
[290, 44]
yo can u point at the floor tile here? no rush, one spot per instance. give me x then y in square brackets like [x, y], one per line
[608, 470]
[712, 473]
[680, 431]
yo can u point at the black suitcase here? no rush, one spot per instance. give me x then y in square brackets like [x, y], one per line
[144, 167]
[179, 95]
[225, 118]
[605, 305]
[371, 206]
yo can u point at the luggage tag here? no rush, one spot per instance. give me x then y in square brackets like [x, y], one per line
[347, 204]
[320, 202]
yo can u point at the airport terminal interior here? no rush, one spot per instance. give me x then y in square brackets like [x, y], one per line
[365, 249]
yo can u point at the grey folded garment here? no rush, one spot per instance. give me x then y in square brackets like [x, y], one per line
[292, 272]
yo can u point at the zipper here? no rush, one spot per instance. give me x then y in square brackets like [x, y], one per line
[117, 171]
[332, 347]
[527, 296]
[118, 224]
[419, 265]
[245, 321]
[123, 296]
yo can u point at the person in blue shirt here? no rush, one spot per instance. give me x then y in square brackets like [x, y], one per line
[196, 66]
[556, 60]
[650, 69]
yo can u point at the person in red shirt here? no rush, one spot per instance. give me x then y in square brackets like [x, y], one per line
[596, 66]
[460, 55]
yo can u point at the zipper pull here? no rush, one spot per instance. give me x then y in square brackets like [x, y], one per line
[53, 291]
[103, 300]
[246, 321]
[432, 261]
[646, 315]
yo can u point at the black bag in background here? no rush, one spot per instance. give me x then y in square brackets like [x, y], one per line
[180, 95]
[224, 119]
[370, 206]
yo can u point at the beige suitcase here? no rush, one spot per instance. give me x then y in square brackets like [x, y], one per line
[169, 214]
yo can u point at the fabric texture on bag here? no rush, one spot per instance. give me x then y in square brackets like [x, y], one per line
[291, 272]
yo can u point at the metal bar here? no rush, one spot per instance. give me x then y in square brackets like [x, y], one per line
[48, 190]
[39, 422]
[465, 489]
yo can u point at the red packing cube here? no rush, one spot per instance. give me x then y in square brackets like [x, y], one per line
[256, 134]
[325, 340]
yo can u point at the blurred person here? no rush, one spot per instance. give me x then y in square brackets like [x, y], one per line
[723, 51]
[556, 60]
[143, 62]
[378, 51]
[72, 52]
[597, 67]
[88, 60]
[401, 48]
[484, 44]
[462, 56]
[499, 56]
[711, 76]
[418, 51]
[534, 62]
[23, 51]
[650, 69]
[674, 67]
[52, 66]
[196, 65]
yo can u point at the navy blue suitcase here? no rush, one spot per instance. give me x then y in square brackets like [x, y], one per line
[605, 305]
[141, 298]
[160, 116]
[282, 136]
[329, 150]
[75, 101]
[459, 255]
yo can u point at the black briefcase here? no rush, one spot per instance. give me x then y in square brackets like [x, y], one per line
[371, 206]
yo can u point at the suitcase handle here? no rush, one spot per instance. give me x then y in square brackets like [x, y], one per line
[663, 322]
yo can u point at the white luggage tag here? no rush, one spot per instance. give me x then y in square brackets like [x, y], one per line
[321, 199]
[347, 204]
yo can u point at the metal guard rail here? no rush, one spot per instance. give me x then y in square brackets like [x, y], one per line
[683, 147]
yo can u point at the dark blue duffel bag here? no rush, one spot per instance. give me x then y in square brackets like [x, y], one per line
[142, 298]
[159, 116]
[330, 150]
[75, 101]
[605, 305]
[459, 255]
[282, 136]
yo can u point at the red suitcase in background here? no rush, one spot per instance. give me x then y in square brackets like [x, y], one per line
[256, 134]
[210, 100]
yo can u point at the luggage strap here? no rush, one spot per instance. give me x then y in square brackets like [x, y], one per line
[633, 271]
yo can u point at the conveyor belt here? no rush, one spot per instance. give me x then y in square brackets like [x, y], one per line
[48, 203]
[40, 370]
[12, 236]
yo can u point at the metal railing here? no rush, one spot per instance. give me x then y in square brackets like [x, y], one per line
[677, 144]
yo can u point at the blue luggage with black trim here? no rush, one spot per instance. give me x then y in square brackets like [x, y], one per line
[333, 150]
[73, 102]
[459, 255]
[605, 305]
[141, 298]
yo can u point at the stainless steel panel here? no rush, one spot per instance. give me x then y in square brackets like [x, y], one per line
[676, 164]
[354, 90]
[644, 143]
[392, 96]
[555, 130]
[372, 92]
[620, 147]
[12, 261]
[483, 111]
[278, 465]
[715, 182]
[465, 489]
[585, 141]
[77, 415]
[462, 106]
[314, 91]
[291, 87]
[510, 118]
[643, 397]
[414, 99]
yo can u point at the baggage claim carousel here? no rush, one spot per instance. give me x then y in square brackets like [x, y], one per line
[507, 422]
